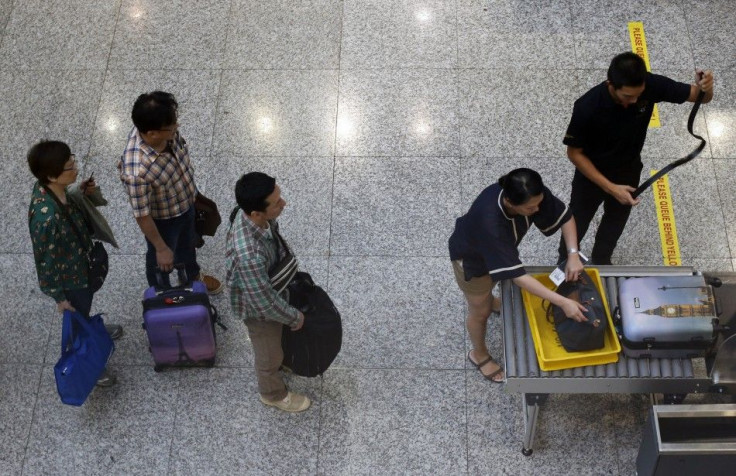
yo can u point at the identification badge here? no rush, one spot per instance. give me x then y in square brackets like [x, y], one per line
[558, 275]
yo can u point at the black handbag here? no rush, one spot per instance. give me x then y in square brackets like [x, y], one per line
[98, 266]
[96, 255]
[206, 218]
[310, 350]
[580, 336]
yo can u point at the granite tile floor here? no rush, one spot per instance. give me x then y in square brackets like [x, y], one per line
[382, 120]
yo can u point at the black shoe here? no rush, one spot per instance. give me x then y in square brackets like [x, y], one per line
[107, 379]
[115, 331]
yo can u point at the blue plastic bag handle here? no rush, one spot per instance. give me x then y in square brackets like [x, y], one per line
[67, 331]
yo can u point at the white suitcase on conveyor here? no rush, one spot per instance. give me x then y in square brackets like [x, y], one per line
[667, 317]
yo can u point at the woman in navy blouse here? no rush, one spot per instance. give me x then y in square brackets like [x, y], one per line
[484, 250]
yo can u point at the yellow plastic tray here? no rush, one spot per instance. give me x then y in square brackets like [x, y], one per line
[550, 353]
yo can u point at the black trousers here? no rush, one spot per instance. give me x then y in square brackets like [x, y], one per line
[179, 235]
[585, 199]
[80, 299]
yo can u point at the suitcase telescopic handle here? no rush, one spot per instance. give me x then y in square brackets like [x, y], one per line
[179, 267]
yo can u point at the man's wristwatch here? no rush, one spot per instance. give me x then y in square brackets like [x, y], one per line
[572, 250]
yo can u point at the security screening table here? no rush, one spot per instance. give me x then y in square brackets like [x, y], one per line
[674, 378]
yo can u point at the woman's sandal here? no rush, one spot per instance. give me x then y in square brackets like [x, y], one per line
[481, 364]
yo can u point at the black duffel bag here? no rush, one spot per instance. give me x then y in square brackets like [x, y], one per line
[580, 336]
[310, 350]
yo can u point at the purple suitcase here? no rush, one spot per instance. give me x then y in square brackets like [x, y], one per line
[180, 323]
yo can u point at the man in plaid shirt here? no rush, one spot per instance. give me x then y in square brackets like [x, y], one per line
[251, 250]
[157, 173]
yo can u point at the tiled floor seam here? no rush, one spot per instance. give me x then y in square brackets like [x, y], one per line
[461, 188]
[723, 215]
[5, 27]
[572, 30]
[173, 429]
[102, 88]
[467, 426]
[319, 420]
[219, 87]
[30, 425]
[334, 145]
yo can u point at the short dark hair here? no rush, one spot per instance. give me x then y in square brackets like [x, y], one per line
[252, 190]
[520, 185]
[47, 159]
[152, 111]
[627, 69]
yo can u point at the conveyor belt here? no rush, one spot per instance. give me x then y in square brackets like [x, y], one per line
[667, 376]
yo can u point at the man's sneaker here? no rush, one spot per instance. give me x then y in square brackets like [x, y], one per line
[214, 286]
[115, 331]
[107, 379]
[293, 403]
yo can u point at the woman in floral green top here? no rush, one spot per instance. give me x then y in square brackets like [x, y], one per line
[60, 246]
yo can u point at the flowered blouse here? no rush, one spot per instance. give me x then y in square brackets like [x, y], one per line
[61, 260]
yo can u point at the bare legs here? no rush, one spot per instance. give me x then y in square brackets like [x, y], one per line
[480, 307]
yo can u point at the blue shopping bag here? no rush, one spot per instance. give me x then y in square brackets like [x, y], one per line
[85, 349]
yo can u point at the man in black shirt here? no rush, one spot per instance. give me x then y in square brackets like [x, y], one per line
[605, 138]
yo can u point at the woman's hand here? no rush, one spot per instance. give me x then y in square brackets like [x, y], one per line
[64, 306]
[88, 186]
[574, 267]
[574, 310]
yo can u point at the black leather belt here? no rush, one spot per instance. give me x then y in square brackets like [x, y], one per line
[683, 160]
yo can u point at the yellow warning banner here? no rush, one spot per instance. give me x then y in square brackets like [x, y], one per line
[639, 46]
[666, 220]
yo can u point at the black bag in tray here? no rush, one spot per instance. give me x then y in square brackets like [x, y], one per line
[580, 336]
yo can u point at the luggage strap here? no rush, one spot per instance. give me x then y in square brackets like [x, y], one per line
[693, 112]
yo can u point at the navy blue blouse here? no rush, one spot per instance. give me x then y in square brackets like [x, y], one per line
[486, 238]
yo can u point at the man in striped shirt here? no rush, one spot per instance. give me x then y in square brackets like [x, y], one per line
[157, 173]
[251, 251]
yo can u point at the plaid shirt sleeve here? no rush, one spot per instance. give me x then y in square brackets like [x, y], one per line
[139, 190]
[252, 272]
[138, 193]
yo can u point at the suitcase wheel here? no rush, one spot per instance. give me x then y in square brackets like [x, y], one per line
[157, 368]
[209, 363]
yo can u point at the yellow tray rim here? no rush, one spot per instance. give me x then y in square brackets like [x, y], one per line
[606, 355]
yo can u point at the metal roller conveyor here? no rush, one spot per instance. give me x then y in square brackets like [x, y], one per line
[676, 377]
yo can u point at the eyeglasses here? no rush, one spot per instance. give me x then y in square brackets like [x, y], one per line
[73, 158]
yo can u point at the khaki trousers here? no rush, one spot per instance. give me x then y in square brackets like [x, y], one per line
[265, 336]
